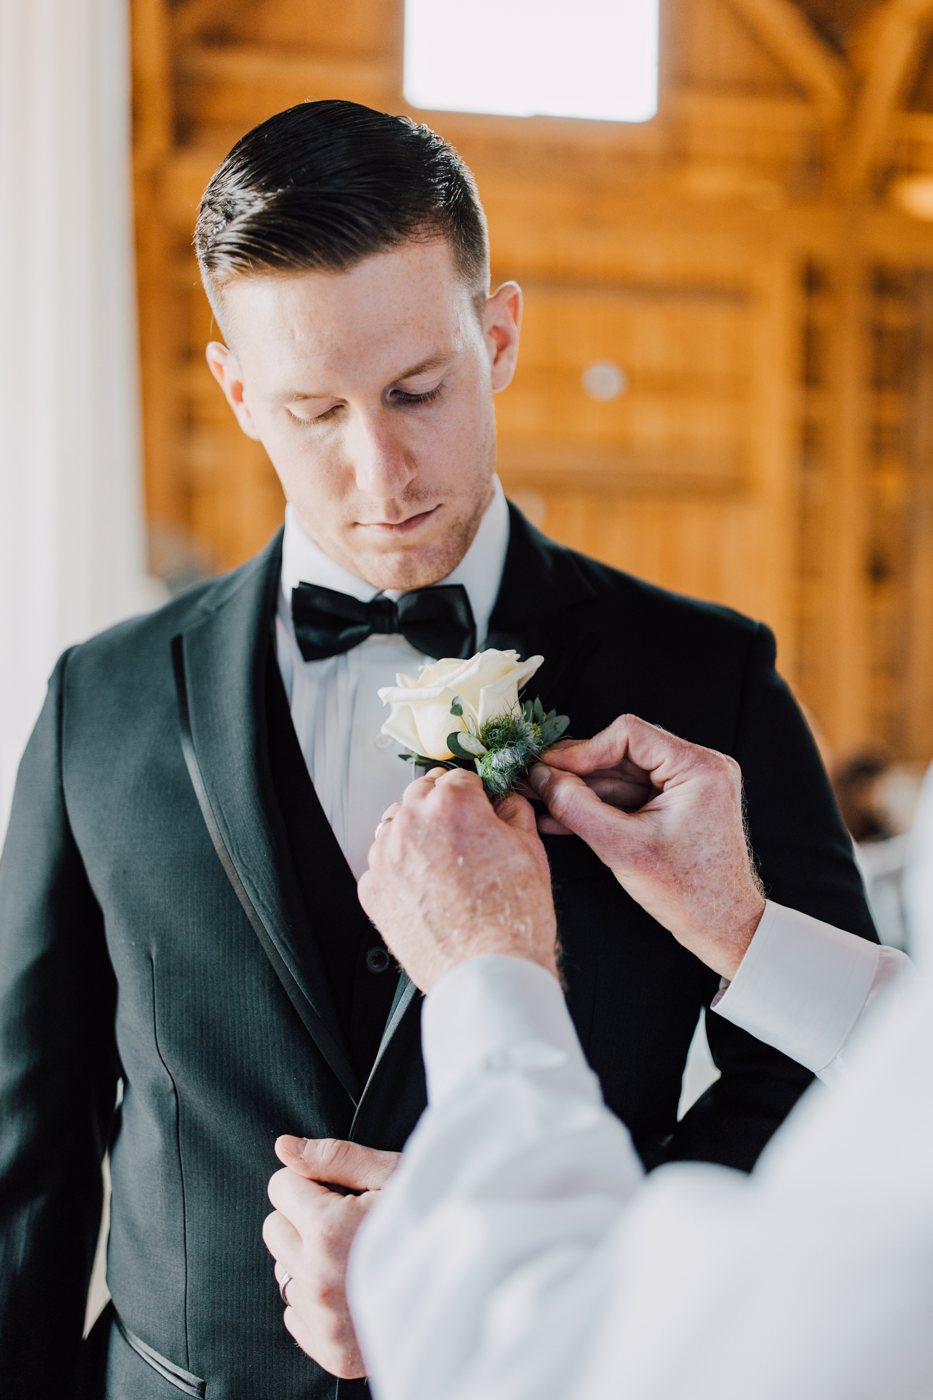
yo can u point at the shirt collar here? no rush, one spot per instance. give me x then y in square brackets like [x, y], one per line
[479, 571]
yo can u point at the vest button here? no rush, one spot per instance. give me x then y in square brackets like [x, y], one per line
[377, 960]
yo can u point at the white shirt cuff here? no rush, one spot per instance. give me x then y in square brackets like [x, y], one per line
[801, 985]
[496, 1013]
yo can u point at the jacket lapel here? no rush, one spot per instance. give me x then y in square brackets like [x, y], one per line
[220, 676]
[538, 610]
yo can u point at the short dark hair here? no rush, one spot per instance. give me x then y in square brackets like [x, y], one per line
[323, 185]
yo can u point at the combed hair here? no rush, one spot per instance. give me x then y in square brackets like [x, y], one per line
[323, 185]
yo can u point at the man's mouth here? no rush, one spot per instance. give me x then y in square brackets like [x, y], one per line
[395, 530]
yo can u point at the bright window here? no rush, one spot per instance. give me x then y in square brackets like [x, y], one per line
[522, 58]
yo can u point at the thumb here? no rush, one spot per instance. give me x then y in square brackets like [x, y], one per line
[337, 1163]
[576, 806]
[562, 792]
[516, 811]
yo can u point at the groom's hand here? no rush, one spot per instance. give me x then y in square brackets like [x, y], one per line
[682, 853]
[451, 877]
[310, 1233]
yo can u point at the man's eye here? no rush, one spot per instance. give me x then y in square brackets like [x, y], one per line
[317, 418]
[401, 397]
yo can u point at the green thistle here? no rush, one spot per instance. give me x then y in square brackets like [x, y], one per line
[507, 745]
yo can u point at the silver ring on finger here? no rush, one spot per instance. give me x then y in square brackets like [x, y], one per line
[286, 1280]
[385, 822]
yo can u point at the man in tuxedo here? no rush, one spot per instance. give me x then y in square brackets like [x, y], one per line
[178, 911]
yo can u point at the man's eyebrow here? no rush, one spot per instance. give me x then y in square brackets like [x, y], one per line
[438, 361]
[432, 362]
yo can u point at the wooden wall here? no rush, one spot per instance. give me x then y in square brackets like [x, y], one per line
[745, 258]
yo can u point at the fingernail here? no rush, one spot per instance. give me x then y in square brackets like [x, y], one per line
[293, 1147]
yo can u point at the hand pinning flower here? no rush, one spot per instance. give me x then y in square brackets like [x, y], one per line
[467, 713]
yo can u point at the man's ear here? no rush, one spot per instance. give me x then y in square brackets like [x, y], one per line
[502, 321]
[224, 368]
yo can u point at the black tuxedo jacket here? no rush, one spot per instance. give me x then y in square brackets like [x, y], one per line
[169, 914]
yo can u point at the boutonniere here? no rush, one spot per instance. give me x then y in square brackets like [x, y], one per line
[468, 714]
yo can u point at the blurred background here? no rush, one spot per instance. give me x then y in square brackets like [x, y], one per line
[726, 378]
[755, 263]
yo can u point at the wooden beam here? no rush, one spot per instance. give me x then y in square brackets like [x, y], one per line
[153, 123]
[152, 100]
[240, 85]
[192, 17]
[913, 126]
[729, 109]
[792, 39]
[897, 32]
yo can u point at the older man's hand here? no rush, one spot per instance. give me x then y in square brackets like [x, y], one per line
[682, 853]
[451, 877]
[310, 1233]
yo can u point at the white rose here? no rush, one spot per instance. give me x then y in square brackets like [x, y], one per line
[488, 685]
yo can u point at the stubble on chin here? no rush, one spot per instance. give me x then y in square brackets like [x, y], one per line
[420, 566]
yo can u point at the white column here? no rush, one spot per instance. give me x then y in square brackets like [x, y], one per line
[71, 522]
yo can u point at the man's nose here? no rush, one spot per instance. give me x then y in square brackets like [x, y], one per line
[381, 462]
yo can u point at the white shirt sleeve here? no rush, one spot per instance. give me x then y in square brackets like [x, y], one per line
[520, 1254]
[454, 1262]
[804, 987]
[918, 880]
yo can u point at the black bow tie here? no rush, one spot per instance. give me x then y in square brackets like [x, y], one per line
[436, 621]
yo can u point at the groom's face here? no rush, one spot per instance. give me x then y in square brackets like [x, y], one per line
[371, 390]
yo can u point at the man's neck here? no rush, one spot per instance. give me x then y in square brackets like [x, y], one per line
[479, 571]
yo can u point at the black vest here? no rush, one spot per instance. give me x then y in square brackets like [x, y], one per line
[362, 975]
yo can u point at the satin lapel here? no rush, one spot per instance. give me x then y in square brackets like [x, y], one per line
[538, 610]
[405, 996]
[220, 674]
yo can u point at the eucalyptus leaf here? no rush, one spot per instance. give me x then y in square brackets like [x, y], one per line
[479, 766]
[538, 711]
[471, 725]
[453, 743]
[457, 706]
[552, 728]
[472, 745]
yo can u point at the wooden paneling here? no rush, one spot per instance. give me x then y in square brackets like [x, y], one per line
[716, 46]
[915, 689]
[683, 347]
[238, 87]
[739, 257]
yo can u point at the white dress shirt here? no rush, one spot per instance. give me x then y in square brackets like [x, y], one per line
[335, 707]
[520, 1253]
